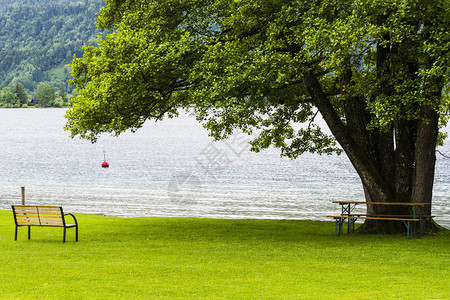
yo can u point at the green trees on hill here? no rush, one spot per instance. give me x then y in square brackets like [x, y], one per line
[38, 39]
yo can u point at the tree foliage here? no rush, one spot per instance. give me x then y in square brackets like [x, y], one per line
[375, 70]
[255, 53]
[8, 98]
[45, 95]
[22, 93]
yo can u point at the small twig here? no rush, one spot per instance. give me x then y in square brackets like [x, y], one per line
[446, 156]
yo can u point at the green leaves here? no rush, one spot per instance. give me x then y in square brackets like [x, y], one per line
[45, 94]
[241, 64]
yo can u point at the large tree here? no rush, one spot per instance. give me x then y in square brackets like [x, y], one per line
[375, 70]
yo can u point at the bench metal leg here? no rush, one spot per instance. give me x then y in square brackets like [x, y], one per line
[15, 236]
[411, 228]
[65, 234]
[407, 224]
[423, 223]
[339, 226]
[336, 227]
[351, 225]
[408, 228]
[29, 232]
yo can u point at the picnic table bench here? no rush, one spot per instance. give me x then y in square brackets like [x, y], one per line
[408, 220]
[48, 216]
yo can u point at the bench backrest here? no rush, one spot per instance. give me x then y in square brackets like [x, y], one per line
[32, 215]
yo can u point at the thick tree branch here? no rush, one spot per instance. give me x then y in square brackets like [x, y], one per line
[367, 171]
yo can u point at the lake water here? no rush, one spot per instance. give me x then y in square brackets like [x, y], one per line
[173, 169]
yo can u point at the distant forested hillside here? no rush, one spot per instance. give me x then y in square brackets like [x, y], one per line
[38, 39]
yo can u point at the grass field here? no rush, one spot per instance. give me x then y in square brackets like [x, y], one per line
[207, 258]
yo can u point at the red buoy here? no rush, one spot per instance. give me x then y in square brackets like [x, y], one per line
[105, 163]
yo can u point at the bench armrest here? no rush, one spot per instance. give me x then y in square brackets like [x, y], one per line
[75, 219]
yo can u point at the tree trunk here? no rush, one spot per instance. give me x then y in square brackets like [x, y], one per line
[397, 168]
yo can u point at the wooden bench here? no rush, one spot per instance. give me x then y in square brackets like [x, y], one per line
[406, 219]
[48, 216]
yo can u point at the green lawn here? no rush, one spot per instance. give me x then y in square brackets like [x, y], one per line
[208, 258]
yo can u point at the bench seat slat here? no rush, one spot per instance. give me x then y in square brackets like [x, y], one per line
[22, 215]
[27, 218]
[55, 224]
[375, 218]
[50, 217]
[26, 210]
[34, 206]
[393, 216]
[49, 211]
[29, 223]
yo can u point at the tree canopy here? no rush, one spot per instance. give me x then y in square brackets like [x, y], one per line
[376, 71]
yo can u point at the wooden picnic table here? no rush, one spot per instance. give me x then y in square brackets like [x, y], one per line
[348, 206]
